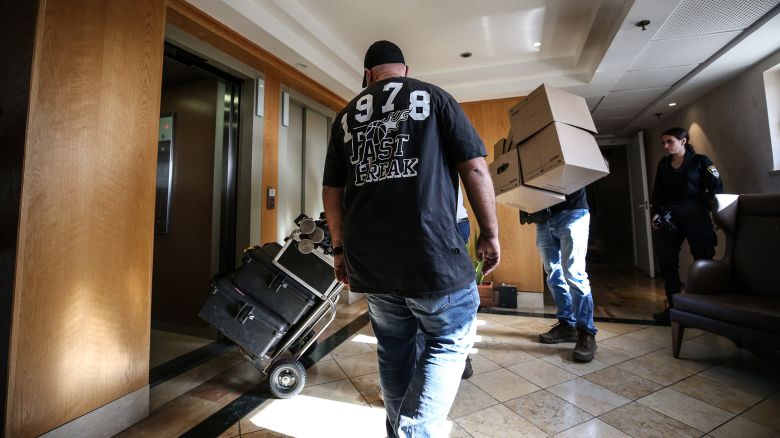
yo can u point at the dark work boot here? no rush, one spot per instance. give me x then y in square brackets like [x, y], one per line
[663, 316]
[467, 370]
[586, 346]
[560, 332]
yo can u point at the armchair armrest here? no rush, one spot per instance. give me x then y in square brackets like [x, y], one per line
[710, 277]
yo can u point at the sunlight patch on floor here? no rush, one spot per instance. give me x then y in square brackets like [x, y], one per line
[305, 416]
[364, 339]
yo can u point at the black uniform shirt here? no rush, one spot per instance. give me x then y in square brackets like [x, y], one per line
[394, 148]
[695, 182]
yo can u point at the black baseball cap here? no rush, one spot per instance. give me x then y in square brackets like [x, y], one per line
[381, 52]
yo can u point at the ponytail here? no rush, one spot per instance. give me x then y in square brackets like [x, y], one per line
[679, 134]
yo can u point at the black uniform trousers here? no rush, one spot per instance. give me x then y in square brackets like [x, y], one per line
[692, 222]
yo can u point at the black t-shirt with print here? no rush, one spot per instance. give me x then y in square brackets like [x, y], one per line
[394, 149]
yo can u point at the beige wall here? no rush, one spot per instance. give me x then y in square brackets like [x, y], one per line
[80, 324]
[729, 125]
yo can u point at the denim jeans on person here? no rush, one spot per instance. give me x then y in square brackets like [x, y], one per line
[419, 387]
[464, 229]
[563, 243]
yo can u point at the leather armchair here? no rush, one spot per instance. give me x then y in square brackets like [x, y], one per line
[739, 295]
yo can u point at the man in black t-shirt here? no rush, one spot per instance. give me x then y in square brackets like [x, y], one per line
[390, 194]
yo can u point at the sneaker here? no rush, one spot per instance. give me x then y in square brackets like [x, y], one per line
[586, 346]
[560, 332]
[467, 371]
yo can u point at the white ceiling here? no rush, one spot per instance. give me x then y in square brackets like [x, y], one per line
[590, 47]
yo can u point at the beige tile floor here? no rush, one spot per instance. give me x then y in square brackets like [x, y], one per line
[634, 387]
[166, 345]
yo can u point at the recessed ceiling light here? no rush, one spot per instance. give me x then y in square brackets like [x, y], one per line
[537, 44]
[301, 65]
[672, 103]
[465, 55]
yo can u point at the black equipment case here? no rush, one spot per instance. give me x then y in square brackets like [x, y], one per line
[258, 303]
[270, 286]
[241, 318]
[277, 303]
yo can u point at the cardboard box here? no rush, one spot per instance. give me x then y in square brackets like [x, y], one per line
[503, 146]
[562, 159]
[498, 148]
[508, 185]
[544, 106]
[509, 143]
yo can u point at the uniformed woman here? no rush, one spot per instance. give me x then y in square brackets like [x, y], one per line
[685, 185]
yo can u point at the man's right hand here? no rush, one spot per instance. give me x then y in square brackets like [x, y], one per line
[489, 251]
[340, 269]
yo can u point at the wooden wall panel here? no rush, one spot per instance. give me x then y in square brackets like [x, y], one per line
[520, 262]
[80, 330]
[271, 122]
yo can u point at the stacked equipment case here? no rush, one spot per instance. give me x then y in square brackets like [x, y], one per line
[276, 304]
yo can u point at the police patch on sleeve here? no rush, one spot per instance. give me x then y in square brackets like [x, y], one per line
[713, 171]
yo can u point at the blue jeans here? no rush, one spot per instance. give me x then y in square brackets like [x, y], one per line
[563, 243]
[464, 229]
[419, 388]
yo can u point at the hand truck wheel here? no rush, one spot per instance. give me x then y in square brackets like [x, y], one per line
[286, 378]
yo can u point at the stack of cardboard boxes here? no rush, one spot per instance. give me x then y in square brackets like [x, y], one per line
[549, 152]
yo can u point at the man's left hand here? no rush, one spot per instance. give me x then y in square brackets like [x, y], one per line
[340, 269]
[489, 251]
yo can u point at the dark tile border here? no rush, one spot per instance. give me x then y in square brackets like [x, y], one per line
[188, 361]
[239, 408]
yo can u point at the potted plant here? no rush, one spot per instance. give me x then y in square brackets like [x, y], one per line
[485, 287]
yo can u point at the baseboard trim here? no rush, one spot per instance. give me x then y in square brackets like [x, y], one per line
[107, 420]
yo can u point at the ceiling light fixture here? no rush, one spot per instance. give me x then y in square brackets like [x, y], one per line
[465, 55]
[672, 103]
[537, 44]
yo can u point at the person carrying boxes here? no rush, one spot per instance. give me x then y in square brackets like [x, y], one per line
[562, 239]
[548, 159]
